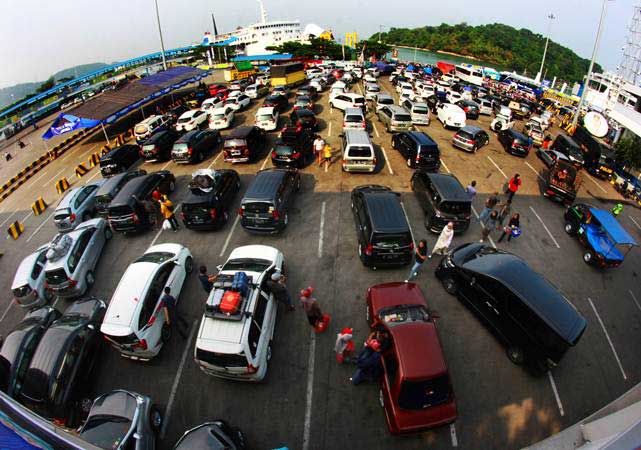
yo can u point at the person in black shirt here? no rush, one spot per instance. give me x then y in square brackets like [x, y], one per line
[512, 224]
[206, 280]
[420, 255]
[276, 285]
[169, 306]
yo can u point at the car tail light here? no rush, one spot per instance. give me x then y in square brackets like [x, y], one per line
[246, 152]
[251, 369]
[274, 154]
[298, 123]
[241, 211]
[190, 151]
[369, 249]
[140, 152]
[363, 124]
[141, 344]
[135, 218]
[72, 282]
[213, 213]
[471, 141]
[275, 214]
[375, 161]
[296, 155]
[59, 422]
[182, 216]
[72, 217]
[226, 154]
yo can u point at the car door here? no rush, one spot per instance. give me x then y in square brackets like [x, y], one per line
[81, 259]
[177, 275]
[95, 246]
[152, 318]
[419, 186]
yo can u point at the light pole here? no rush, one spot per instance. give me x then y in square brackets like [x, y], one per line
[162, 44]
[380, 30]
[545, 50]
[575, 119]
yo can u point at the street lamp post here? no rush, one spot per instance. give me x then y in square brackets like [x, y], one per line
[380, 30]
[162, 44]
[575, 119]
[545, 50]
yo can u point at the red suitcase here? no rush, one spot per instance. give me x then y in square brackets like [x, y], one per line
[230, 302]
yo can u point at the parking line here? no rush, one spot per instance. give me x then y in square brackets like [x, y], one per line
[92, 177]
[40, 227]
[6, 311]
[222, 252]
[389, 167]
[556, 393]
[165, 166]
[597, 184]
[40, 177]
[445, 165]
[634, 298]
[10, 216]
[174, 388]
[546, 228]
[534, 170]
[265, 161]
[157, 235]
[24, 220]
[453, 435]
[329, 130]
[310, 390]
[476, 214]
[54, 177]
[496, 165]
[375, 130]
[215, 159]
[635, 222]
[321, 232]
[607, 336]
[408, 221]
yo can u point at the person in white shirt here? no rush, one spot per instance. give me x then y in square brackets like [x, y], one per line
[319, 145]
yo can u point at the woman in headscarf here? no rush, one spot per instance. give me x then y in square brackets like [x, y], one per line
[444, 240]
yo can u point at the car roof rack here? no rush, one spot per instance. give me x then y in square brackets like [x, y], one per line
[222, 285]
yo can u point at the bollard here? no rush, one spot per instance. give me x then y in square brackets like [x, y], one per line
[62, 185]
[38, 206]
[15, 230]
[81, 170]
[94, 160]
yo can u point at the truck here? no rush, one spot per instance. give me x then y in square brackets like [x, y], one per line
[291, 74]
[239, 71]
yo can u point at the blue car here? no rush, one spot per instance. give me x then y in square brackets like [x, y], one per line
[606, 242]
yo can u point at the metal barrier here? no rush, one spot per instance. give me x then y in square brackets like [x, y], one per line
[38, 206]
[62, 185]
[15, 230]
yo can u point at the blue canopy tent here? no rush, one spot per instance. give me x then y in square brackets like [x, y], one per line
[609, 235]
[65, 123]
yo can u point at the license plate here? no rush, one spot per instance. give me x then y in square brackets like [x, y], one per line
[197, 220]
[235, 153]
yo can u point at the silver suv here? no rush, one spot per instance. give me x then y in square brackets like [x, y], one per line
[72, 258]
[76, 207]
[395, 118]
[28, 285]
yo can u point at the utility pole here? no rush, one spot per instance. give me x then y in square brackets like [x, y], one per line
[162, 44]
[545, 50]
[380, 30]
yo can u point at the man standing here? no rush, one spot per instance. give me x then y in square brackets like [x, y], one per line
[490, 203]
[513, 185]
[167, 210]
[420, 255]
[169, 306]
[311, 306]
[471, 189]
[319, 146]
[276, 285]
[206, 280]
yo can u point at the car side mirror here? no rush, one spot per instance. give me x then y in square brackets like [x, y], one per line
[91, 326]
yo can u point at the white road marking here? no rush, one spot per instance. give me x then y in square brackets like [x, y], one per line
[222, 252]
[56, 302]
[635, 222]
[607, 336]
[24, 220]
[165, 166]
[38, 178]
[92, 177]
[445, 165]
[321, 232]
[329, 130]
[54, 177]
[634, 298]
[215, 159]
[375, 130]
[597, 184]
[7, 219]
[265, 161]
[41, 225]
[534, 170]
[157, 235]
[389, 167]
[556, 393]
[174, 388]
[310, 390]
[476, 214]
[453, 435]
[6, 310]
[408, 221]
[496, 165]
[546, 228]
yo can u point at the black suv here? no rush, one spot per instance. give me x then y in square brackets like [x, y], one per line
[194, 145]
[293, 148]
[304, 118]
[158, 146]
[133, 208]
[384, 236]
[108, 191]
[535, 321]
[119, 160]
[244, 144]
[19, 345]
[515, 143]
[60, 370]
[418, 149]
[443, 199]
[277, 101]
[174, 113]
[265, 206]
[566, 145]
[210, 196]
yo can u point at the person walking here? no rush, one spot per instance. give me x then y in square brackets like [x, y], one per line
[276, 285]
[618, 209]
[311, 306]
[420, 255]
[513, 185]
[167, 211]
[344, 345]
[319, 146]
[489, 205]
[170, 309]
[513, 224]
[206, 280]
[471, 189]
[444, 240]
[491, 224]
[327, 155]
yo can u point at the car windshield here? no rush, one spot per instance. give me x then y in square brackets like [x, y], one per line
[283, 150]
[265, 118]
[353, 118]
[402, 118]
[62, 214]
[465, 134]
[359, 152]
[420, 110]
[424, 394]
[105, 431]
[155, 257]
[103, 200]
[248, 264]
[359, 101]
[392, 240]
[219, 116]
[22, 291]
[184, 119]
[455, 207]
[386, 101]
[232, 143]
[181, 147]
[400, 314]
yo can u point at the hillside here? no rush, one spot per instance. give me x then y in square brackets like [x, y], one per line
[495, 43]
[23, 89]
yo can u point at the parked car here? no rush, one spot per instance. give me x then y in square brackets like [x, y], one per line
[444, 199]
[108, 191]
[19, 345]
[372, 90]
[235, 337]
[358, 153]
[450, 115]
[256, 90]
[238, 103]
[293, 148]
[280, 90]
[211, 193]
[304, 118]
[158, 147]
[534, 132]
[119, 159]
[485, 106]
[354, 119]
[550, 157]
[76, 207]
[211, 103]
[174, 113]
[278, 101]
[28, 286]
[192, 120]
[561, 182]
[415, 389]
[383, 233]
[244, 144]
[122, 420]
[221, 118]
[215, 89]
[395, 118]
[419, 111]
[134, 321]
[152, 124]
[128, 212]
[267, 118]
[418, 149]
[60, 371]
[470, 138]
[514, 142]
[383, 100]
[303, 102]
[195, 146]
[72, 258]
[566, 145]
[266, 203]
[212, 436]
[470, 107]
[347, 100]
[308, 91]
[529, 314]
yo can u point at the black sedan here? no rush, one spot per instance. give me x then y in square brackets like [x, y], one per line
[293, 148]
[193, 146]
[212, 435]
[276, 101]
[471, 108]
[210, 198]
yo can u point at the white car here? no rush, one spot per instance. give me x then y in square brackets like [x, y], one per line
[316, 84]
[485, 107]
[281, 90]
[134, 320]
[28, 285]
[191, 120]
[371, 91]
[406, 95]
[211, 103]
[313, 72]
[404, 85]
[256, 90]
[235, 335]
[369, 78]
[340, 85]
[539, 122]
[267, 118]
[334, 91]
[450, 115]
[238, 103]
[349, 100]
[427, 91]
[221, 118]
[453, 97]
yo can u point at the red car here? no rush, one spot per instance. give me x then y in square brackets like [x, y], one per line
[215, 89]
[338, 73]
[416, 390]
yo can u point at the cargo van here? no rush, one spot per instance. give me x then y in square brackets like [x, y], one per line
[358, 152]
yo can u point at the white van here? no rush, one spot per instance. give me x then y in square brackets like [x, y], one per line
[349, 100]
[358, 152]
[419, 111]
[256, 90]
[267, 118]
[149, 126]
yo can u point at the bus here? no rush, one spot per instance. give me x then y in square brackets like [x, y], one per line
[471, 75]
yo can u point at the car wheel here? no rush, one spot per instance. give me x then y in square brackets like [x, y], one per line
[108, 233]
[172, 186]
[588, 257]
[569, 228]
[449, 285]
[90, 278]
[515, 354]
[155, 418]
[189, 264]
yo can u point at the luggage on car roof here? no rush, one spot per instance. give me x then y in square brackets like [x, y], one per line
[230, 302]
[240, 283]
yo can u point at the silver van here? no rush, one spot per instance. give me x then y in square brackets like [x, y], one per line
[383, 100]
[395, 118]
[28, 285]
[354, 119]
[419, 112]
[358, 152]
[77, 206]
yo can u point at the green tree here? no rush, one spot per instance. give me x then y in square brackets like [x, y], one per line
[46, 85]
[628, 151]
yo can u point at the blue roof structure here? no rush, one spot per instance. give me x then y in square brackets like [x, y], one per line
[612, 227]
[275, 56]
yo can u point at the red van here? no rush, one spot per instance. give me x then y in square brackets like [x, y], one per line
[416, 390]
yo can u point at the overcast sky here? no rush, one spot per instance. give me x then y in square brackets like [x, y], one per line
[40, 37]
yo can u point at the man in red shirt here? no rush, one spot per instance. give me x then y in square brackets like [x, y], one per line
[512, 186]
